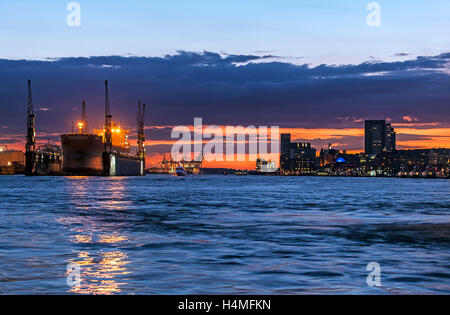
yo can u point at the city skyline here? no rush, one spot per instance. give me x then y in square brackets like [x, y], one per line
[297, 135]
[315, 104]
[381, 158]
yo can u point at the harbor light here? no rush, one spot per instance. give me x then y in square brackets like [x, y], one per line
[80, 127]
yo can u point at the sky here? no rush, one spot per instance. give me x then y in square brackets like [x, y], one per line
[327, 31]
[314, 68]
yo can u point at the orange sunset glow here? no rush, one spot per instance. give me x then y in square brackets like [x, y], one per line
[431, 136]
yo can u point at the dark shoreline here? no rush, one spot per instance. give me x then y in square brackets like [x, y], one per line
[251, 175]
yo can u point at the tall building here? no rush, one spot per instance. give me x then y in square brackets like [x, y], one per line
[302, 158]
[285, 151]
[296, 158]
[391, 138]
[379, 137]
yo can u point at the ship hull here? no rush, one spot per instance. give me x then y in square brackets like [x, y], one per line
[124, 165]
[82, 155]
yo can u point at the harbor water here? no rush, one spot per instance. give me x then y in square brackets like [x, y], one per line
[223, 235]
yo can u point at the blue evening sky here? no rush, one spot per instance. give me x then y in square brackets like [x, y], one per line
[313, 31]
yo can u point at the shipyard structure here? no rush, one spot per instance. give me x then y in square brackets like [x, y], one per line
[105, 152]
[170, 166]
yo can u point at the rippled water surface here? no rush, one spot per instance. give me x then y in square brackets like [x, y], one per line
[224, 235]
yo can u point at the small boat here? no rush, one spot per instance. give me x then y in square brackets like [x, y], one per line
[180, 171]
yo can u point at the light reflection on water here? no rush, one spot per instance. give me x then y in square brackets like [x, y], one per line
[100, 270]
[223, 235]
[99, 273]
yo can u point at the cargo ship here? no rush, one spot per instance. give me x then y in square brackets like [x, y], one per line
[105, 152]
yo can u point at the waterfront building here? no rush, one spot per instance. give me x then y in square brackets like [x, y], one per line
[328, 156]
[379, 137]
[296, 158]
[285, 152]
[11, 161]
[413, 163]
[390, 139]
[10, 157]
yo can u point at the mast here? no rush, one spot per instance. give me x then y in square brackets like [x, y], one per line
[141, 131]
[108, 121]
[84, 120]
[30, 147]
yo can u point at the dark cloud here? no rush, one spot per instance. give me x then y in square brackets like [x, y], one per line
[225, 90]
[159, 149]
[344, 142]
[412, 137]
[401, 55]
